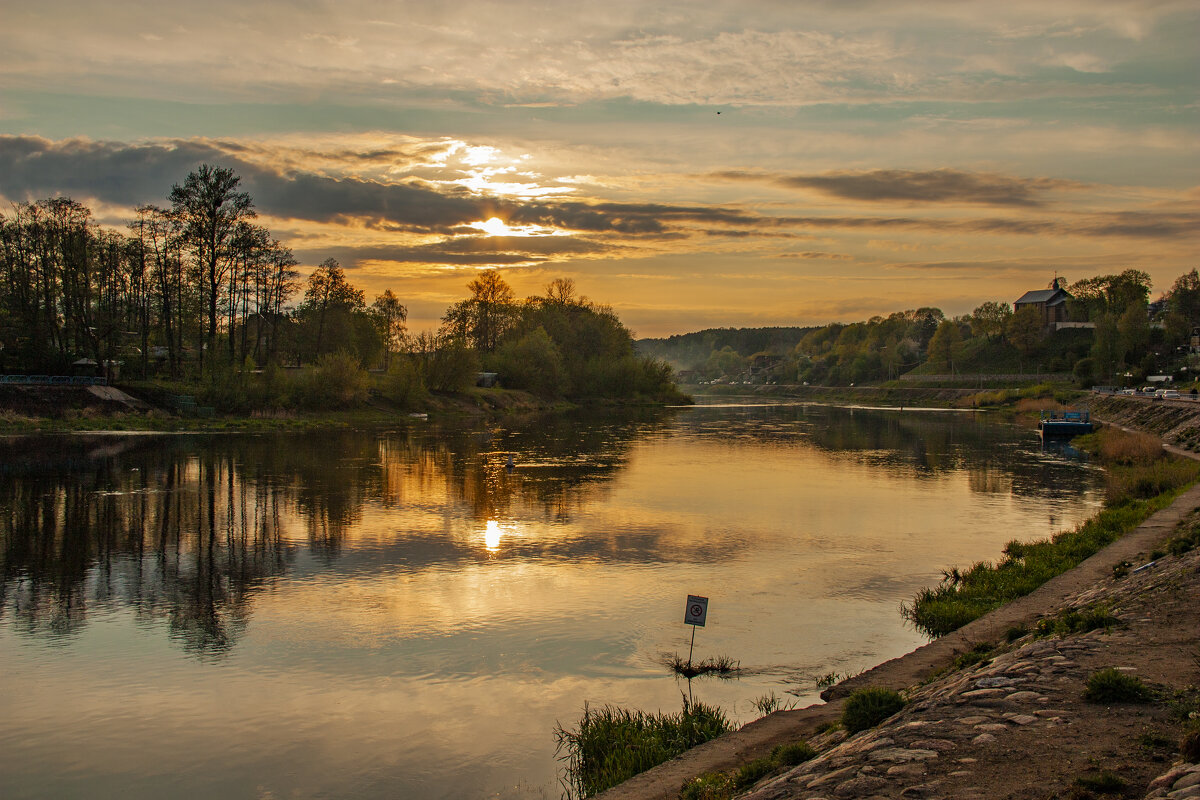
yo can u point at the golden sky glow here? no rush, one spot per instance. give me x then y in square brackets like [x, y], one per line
[692, 165]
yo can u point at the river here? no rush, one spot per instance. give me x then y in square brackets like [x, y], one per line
[398, 613]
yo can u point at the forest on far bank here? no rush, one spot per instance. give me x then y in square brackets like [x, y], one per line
[1129, 338]
[196, 296]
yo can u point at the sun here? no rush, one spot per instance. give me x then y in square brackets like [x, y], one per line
[498, 227]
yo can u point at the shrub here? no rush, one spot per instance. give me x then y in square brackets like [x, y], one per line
[402, 384]
[866, 708]
[789, 755]
[337, 381]
[1106, 782]
[447, 365]
[1113, 686]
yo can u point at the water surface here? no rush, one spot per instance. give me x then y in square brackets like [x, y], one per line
[398, 614]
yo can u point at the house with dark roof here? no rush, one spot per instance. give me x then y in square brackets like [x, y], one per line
[1051, 304]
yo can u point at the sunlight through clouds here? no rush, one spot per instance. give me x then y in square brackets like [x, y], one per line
[806, 146]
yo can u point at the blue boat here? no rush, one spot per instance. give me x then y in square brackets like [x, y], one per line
[1064, 424]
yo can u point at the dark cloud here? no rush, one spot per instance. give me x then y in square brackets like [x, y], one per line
[32, 168]
[130, 174]
[467, 251]
[321, 199]
[913, 186]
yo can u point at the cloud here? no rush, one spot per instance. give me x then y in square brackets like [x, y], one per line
[913, 186]
[817, 256]
[516, 54]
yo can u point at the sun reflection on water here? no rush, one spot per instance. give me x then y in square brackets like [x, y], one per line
[491, 536]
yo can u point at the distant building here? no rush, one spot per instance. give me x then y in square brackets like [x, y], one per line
[1051, 304]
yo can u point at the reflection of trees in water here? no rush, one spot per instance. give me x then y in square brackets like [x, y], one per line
[186, 529]
[174, 536]
[996, 457]
[560, 460]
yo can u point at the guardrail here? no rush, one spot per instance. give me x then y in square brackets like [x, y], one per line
[52, 380]
[1146, 395]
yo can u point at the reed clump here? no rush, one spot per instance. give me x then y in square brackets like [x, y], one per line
[721, 666]
[613, 744]
[1141, 479]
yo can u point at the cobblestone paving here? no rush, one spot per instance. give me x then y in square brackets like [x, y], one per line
[998, 729]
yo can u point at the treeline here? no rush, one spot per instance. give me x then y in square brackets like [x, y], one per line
[687, 350]
[186, 287]
[1130, 338]
[198, 292]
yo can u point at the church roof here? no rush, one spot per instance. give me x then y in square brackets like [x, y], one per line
[1050, 297]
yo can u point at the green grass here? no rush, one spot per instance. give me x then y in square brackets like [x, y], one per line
[866, 708]
[1113, 686]
[1135, 491]
[613, 744]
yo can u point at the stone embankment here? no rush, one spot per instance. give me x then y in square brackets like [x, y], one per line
[1176, 421]
[1018, 725]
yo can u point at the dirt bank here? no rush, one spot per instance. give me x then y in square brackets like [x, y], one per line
[55, 402]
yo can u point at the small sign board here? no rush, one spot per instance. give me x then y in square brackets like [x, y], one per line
[696, 611]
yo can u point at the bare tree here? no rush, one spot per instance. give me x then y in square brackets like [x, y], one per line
[210, 208]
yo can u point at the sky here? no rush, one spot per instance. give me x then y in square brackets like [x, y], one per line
[692, 164]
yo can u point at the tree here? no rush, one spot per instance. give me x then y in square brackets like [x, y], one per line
[209, 208]
[1184, 297]
[1103, 293]
[391, 316]
[562, 292]
[328, 303]
[1106, 345]
[1024, 329]
[1134, 328]
[486, 316]
[533, 363]
[989, 319]
[945, 344]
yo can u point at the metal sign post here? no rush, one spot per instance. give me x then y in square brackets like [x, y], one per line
[694, 614]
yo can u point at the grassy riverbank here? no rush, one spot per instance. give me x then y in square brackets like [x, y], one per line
[1140, 479]
[74, 409]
